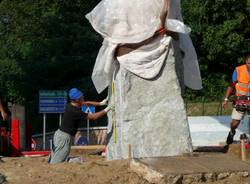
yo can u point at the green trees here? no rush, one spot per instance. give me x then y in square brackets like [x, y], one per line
[219, 32]
[44, 45]
[50, 45]
[219, 29]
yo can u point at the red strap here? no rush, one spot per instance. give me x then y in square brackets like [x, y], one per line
[232, 84]
[161, 31]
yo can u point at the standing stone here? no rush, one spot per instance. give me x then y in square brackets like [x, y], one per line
[149, 115]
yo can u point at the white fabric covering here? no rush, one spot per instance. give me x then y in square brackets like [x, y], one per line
[148, 60]
[132, 21]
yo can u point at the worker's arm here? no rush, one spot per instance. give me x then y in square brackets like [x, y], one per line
[96, 115]
[3, 113]
[99, 114]
[88, 103]
[230, 90]
[104, 102]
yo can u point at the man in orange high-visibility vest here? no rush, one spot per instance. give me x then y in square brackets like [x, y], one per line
[240, 86]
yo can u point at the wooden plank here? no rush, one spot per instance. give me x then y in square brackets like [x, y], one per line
[89, 147]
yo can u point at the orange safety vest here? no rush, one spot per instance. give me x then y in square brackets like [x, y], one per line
[243, 85]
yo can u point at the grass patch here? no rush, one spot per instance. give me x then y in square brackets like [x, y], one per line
[208, 109]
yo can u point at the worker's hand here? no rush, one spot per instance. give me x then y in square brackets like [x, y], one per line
[104, 102]
[109, 108]
[4, 115]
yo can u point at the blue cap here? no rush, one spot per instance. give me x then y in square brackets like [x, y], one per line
[75, 94]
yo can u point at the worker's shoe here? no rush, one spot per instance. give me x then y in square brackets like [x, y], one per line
[225, 148]
[230, 138]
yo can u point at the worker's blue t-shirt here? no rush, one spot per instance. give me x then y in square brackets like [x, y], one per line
[234, 76]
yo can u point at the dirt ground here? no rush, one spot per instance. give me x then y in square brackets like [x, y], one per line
[94, 170]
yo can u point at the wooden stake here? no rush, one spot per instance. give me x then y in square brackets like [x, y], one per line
[129, 152]
[243, 150]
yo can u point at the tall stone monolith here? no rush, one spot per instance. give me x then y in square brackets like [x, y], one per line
[149, 115]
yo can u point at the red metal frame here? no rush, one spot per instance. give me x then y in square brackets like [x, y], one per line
[15, 134]
[35, 153]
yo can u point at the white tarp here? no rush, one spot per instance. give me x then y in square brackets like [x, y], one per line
[123, 21]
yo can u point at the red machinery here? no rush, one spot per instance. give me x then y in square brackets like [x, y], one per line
[15, 135]
[10, 141]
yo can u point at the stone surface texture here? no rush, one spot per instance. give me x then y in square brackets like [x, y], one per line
[149, 115]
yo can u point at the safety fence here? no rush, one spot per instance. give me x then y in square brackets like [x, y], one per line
[92, 136]
[207, 102]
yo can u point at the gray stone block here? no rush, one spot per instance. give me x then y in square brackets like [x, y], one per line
[149, 115]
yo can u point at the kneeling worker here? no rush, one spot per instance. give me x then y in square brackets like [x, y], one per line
[240, 86]
[72, 119]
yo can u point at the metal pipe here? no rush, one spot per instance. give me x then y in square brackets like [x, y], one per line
[44, 131]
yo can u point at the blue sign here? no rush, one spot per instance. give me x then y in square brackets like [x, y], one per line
[52, 101]
[88, 109]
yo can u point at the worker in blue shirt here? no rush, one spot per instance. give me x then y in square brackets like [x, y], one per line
[73, 118]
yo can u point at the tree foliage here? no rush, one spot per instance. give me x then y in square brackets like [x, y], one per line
[220, 29]
[50, 45]
[45, 45]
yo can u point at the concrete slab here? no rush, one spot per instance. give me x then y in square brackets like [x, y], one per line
[191, 168]
[212, 130]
